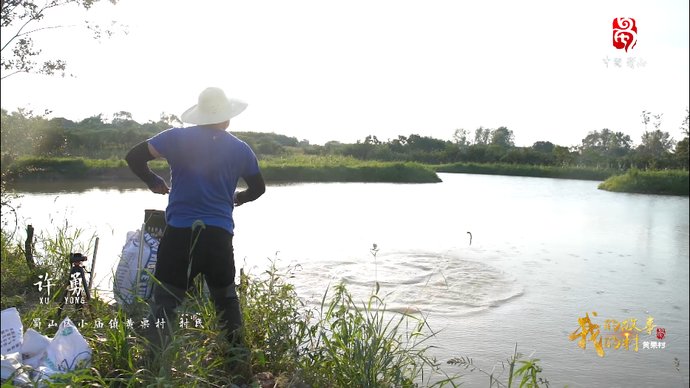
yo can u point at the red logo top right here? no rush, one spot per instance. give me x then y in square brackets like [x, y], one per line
[624, 33]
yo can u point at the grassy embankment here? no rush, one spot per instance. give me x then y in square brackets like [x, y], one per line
[292, 169]
[668, 182]
[339, 343]
[344, 169]
[301, 168]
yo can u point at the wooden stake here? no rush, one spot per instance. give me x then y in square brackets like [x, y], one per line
[29, 247]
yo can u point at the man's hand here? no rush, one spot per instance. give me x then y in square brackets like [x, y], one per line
[235, 201]
[159, 186]
[255, 188]
[137, 159]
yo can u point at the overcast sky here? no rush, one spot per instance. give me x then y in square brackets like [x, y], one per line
[327, 70]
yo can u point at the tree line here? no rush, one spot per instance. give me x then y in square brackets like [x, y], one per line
[27, 134]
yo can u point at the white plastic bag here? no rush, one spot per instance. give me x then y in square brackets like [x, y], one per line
[68, 350]
[11, 330]
[125, 282]
[10, 367]
[41, 356]
[34, 348]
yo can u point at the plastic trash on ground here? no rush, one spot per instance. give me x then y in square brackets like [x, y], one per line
[32, 357]
[34, 348]
[11, 331]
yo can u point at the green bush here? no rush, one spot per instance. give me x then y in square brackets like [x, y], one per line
[670, 182]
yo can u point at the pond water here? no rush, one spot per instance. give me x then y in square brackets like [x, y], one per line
[540, 253]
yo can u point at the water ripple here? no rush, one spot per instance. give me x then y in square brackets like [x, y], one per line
[418, 282]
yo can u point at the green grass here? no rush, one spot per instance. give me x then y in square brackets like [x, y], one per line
[668, 182]
[584, 173]
[49, 258]
[342, 343]
[360, 344]
[16, 278]
[344, 169]
[73, 168]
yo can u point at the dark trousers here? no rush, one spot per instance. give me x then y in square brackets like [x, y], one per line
[183, 254]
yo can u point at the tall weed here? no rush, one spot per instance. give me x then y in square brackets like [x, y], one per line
[525, 370]
[364, 345]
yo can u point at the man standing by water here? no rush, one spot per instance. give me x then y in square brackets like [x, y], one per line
[206, 163]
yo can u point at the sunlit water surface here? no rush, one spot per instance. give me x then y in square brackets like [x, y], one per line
[543, 252]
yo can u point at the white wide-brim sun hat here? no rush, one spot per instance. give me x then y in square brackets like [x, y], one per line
[213, 107]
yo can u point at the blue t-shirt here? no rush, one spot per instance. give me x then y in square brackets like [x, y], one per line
[205, 165]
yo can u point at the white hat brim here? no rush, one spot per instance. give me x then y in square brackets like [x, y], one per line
[194, 115]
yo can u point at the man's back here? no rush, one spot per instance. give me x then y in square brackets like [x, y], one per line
[206, 164]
